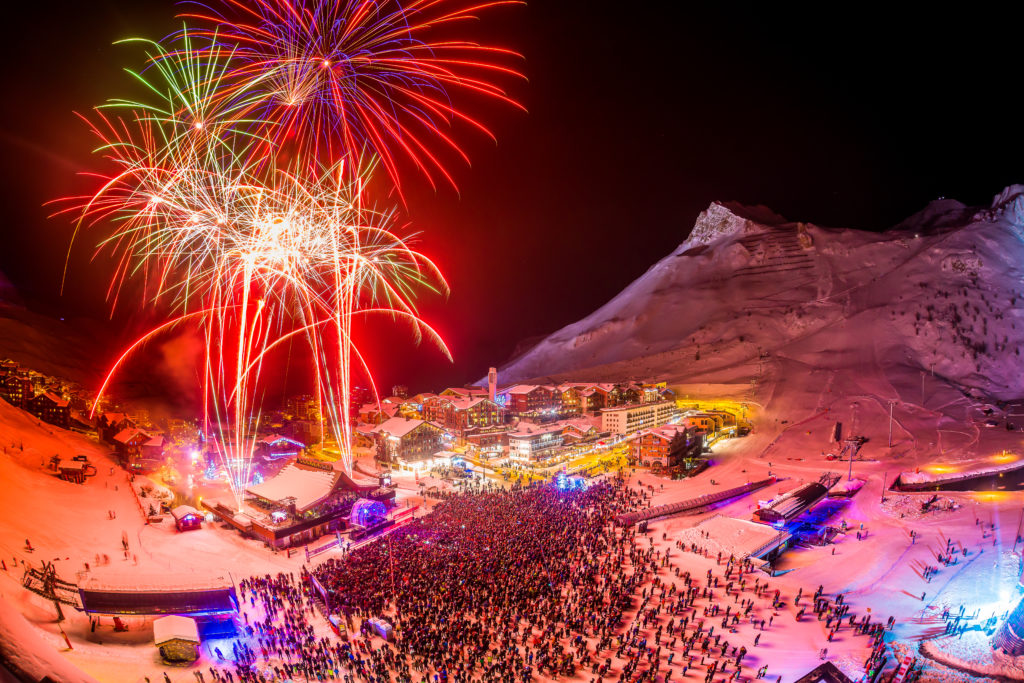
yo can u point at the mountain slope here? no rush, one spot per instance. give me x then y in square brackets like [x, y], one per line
[938, 293]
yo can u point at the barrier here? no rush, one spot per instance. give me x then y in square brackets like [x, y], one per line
[630, 518]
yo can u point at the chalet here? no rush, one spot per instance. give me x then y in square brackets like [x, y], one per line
[665, 446]
[128, 442]
[578, 429]
[17, 390]
[706, 424]
[362, 436]
[110, 425]
[187, 518]
[276, 446]
[569, 397]
[404, 441]
[140, 450]
[527, 399]
[80, 423]
[629, 393]
[594, 398]
[376, 413]
[74, 470]
[489, 443]
[460, 415]
[51, 408]
[305, 500]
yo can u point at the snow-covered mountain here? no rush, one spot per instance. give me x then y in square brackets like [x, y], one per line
[941, 292]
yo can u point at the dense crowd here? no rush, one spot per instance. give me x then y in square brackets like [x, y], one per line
[512, 585]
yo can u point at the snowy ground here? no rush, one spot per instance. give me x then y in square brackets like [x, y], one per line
[873, 321]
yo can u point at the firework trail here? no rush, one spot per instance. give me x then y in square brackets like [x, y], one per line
[342, 77]
[236, 187]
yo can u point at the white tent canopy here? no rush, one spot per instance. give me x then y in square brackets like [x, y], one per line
[175, 627]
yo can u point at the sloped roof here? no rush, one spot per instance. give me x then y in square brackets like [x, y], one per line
[398, 426]
[129, 433]
[57, 400]
[520, 389]
[307, 485]
[183, 510]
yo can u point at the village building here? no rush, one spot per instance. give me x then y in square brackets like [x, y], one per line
[305, 500]
[402, 441]
[75, 470]
[110, 425]
[630, 419]
[413, 406]
[51, 408]
[530, 442]
[459, 415]
[665, 446]
[530, 399]
[139, 450]
[276, 446]
[187, 518]
[379, 411]
[17, 389]
[594, 398]
[488, 443]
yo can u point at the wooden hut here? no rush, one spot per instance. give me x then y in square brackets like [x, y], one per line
[72, 470]
[177, 637]
[187, 518]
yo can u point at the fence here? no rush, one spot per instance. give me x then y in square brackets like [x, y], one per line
[630, 518]
[399, 518]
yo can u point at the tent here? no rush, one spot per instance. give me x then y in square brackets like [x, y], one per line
[177, 637]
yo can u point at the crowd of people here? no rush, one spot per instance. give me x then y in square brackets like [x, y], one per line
[505, 585]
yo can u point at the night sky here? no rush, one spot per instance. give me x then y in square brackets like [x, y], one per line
[639, 116]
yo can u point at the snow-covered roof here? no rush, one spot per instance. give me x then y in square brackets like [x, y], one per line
[464, 402]
[175, 627]
[129, 433]
[398, 426]
[155, 442]
[520, 389]
[530, 430]
[139, 581]
[71, 465]
[667, 432]
[183, 510]
[463, 391]
[307, 485]
[57, 400]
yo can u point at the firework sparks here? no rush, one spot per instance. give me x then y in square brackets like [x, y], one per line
[237, 187]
